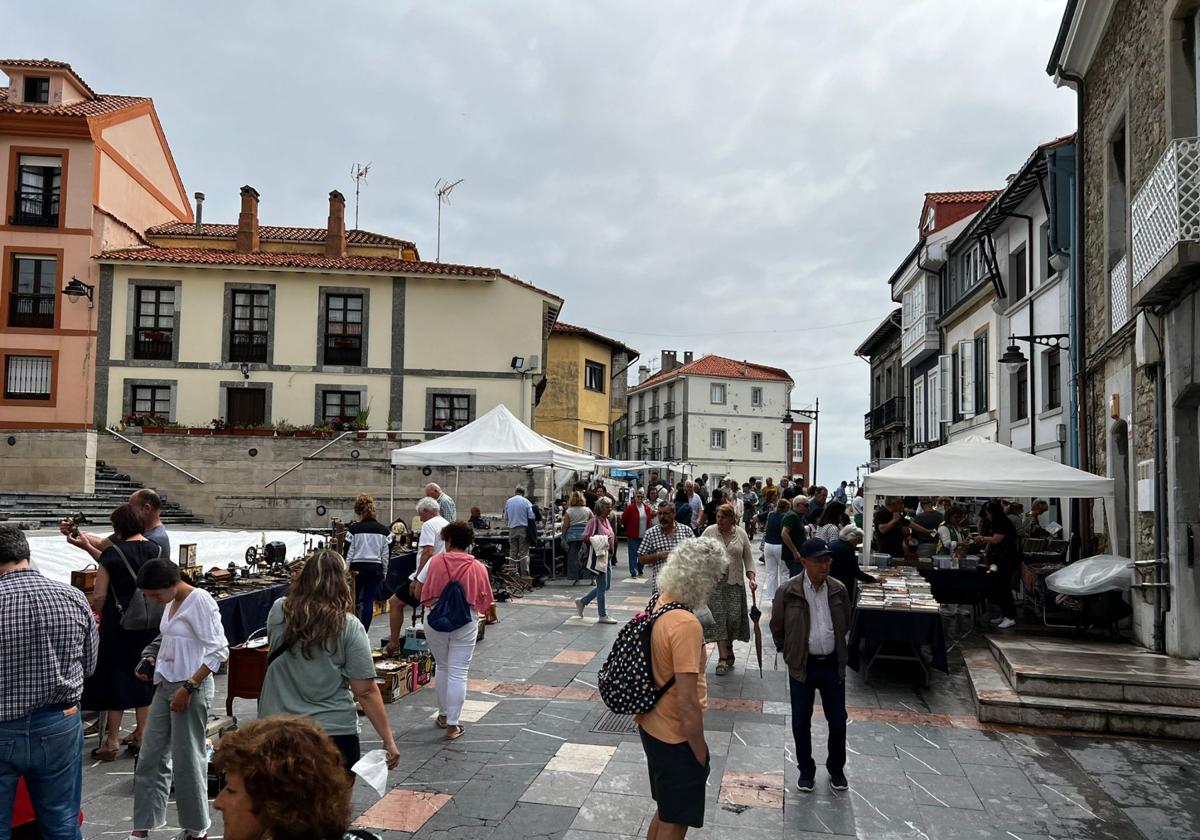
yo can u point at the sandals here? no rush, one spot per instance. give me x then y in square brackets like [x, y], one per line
[453, 733]
[441, 721]
[105, 753]
[723, 667]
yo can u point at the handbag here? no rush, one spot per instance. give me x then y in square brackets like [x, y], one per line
[140, 613]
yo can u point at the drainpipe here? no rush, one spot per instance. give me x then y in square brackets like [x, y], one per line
[1081, 513]
[1032, 394]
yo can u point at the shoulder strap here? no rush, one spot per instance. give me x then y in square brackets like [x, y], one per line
[132, 575]
[278, 652]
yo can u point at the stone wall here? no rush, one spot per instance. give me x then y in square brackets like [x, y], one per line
[39, 461]
[234, 493]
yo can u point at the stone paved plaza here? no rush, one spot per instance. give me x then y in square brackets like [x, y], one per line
[921, 766]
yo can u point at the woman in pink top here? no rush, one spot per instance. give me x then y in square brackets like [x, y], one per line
[452, 651]
[600, 525]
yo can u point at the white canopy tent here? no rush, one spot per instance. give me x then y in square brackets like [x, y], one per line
[975, 466]
[668, 466]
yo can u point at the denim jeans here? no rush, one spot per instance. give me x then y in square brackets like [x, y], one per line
[47, 749]
[603, 583]
[366, 589]
[822, 677]
[633, 544]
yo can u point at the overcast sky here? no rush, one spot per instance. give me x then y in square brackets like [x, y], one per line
[737, 178]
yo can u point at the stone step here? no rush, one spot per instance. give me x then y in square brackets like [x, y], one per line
[1096, 671]
[997, 702]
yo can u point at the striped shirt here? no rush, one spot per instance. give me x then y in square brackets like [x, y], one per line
[48, 643]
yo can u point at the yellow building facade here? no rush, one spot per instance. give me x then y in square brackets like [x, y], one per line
[584, 397]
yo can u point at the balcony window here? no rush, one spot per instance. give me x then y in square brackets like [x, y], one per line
[150, 400]
[1020, 394]
[340, 407]
[451, 411]
[756, 442]
[31, 303]
[654, 443]
[918, 410]
[716, 394]
[343, 330]
[670, 444]
[1017, 275]
[716, 439]
[593, 376]
[27, 377]
[39, 181]
[250, 331]
[1053, 378]
[37, 90]
[155, 337]
[797, 445]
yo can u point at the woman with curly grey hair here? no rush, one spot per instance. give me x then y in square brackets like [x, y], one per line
[731, 618]
[673, 731]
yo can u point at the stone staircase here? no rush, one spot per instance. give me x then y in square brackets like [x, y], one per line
[1088, 686]
[44, 510]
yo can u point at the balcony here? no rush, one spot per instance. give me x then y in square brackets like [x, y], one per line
[639, 417]
[248, 347]
[1118, 283]
[154, 344]
[1165, 224]
[36, 209]
[653, 414]
[919, 339]
[884, 417]
[31, 311]
[668, 453]
[668, 410]
[343, 351]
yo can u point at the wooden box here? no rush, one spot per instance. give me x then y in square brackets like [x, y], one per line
[247, 670]
[84, 579]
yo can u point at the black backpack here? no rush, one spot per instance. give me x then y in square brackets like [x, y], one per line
[627, 678]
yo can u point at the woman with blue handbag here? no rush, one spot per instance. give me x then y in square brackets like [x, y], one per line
[455, 589]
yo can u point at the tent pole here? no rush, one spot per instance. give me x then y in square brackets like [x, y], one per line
[456, 483]
[392, 498]
[868, 524]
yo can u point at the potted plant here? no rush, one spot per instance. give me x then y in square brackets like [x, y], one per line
[172, 428]
[254, 431]
[285, 429]
[360, 422]
[393, 429]
[217, 426]
[152, 424]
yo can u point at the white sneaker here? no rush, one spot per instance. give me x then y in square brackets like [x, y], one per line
[187, 835]
[607, 619]
[1004, 624]
[579, 606]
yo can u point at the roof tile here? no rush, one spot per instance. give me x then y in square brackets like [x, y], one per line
[104, 103]
[275, 233]
[563, 327]
[966, 197]
[47, 64]
[719, 366]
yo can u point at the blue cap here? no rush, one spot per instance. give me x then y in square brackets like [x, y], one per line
[815, 548]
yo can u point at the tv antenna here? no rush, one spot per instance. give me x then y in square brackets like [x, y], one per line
[359, 173]
[442, 189]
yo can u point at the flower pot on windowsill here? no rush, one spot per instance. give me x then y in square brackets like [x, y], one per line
[174, 430]
[255, 432]
[361, 435]
[152, 430]
[198, 430]
[393, 436]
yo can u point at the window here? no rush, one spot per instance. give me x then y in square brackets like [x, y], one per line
[756, 397]
[1117, 227]
[966, 378]
[39, 179]
[918, 410]
[31, 301]
[155, 336]
[150, 401]
[654, 444]
[1044, 239]
[670, 453]
[593, 441]
[339, 407]
[797, 445]
[251, 324]
[593, 376]
[982, 373]
[27, 377]
[756, 442]
[343, 329]
[716, 438]
[716, 394]
[933, 404]
[1017, 275]
[1053, 378]
[451, 411]
[37, 90]
[1020, 393]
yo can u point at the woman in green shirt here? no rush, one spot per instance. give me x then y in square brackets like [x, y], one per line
[321, 659]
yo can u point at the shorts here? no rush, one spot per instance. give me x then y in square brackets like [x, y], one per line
[678, 783]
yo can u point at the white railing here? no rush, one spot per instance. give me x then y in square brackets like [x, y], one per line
[917, 331]
[1166, 210]
[1119, 293]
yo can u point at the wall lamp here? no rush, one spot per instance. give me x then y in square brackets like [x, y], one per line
[77, 289]
[1013, 359]
[518, 362]
[245, 370]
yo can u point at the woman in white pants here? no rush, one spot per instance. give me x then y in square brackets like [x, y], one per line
[452, 650]
[773, 549]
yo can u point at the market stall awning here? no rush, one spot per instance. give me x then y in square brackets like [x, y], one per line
[497, 439]
[672, 466]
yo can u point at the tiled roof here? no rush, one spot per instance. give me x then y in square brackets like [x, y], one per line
[274, 233]
[968, 197]
[103, 104]
[719, 366]
[561, 327]
[265, 259]
[47, 64]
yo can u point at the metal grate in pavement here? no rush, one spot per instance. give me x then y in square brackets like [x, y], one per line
[615, 724]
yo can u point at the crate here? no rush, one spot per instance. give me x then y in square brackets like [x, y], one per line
[393, 684]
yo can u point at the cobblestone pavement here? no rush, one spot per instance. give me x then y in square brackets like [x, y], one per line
[531, 765]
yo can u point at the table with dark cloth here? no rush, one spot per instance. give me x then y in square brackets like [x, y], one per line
[244, 612]
[913, 629]
[396, 582]
[542, 555]
[957, 586]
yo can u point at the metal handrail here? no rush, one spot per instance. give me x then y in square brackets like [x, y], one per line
[155, 455]
[310, 456]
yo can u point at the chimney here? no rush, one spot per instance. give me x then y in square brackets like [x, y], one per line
[643, 373]
[687, 357]
[199, 210]
[335, 233]
[247, 232]
[668, 361]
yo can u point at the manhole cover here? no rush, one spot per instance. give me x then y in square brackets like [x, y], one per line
[615, 724]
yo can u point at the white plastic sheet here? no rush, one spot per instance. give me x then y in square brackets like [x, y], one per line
[1093, 575]
[372, 769]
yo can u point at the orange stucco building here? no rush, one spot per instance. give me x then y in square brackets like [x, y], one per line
[80, 172]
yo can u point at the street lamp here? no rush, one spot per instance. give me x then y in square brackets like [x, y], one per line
[77, 289]
[813, 414]
[1013, 358]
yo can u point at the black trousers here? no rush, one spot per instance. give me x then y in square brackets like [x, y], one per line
[823, 676]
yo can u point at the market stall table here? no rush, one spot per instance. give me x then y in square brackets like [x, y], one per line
[910, 629]
[245, 610]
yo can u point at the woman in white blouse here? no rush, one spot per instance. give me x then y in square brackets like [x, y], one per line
[190, 648]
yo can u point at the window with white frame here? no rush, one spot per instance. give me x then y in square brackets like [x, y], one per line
[716, 439]
[716, 393]
[593, 376]
[797, 445]
[918, 410]
[966, 378]
[933, 404]
[756, 396]
[756, 441]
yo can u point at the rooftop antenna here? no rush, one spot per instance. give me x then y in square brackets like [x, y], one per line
[442, 189]
[359, 173]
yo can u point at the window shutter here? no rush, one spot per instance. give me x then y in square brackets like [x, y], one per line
[945, 377]
[966, 378]
[933, 390]
[918, 410]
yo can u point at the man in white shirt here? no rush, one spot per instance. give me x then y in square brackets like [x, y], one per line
[518, 513]
[810, 619]
[432, 522]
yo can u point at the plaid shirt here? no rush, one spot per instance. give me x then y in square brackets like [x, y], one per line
[48, 643]
[656, 540]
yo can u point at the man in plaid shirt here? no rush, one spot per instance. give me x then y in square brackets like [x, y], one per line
[659, 540]
[48, 644]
